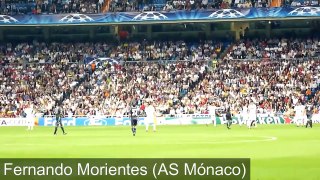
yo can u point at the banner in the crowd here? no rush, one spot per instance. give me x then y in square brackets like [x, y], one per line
[176, 120]
[181, 15]
[100, 60]
[14, 122]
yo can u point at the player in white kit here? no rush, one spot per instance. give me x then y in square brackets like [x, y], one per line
[30, 117]
[244, 115]
[151, 117]
[252, 115]
[300, 114]
[212, 112]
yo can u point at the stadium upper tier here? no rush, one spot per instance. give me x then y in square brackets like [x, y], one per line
[11, 7]
[148, 17]
[47, 75]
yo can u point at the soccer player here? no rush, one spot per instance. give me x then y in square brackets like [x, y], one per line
[252, 112]
[309, 117]
[59, 121]
[30, 117]
[151, 115]
[300, 112]
[134, 119]
[229, 118]
[244, 115]
[212, 112]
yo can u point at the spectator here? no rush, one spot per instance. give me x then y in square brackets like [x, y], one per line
[46, 75]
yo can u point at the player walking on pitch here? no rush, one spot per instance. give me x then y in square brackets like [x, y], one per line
[212, 112]
[229, 118]
[134, 119]
[309, 117]
[244, 115]
[151, 117]
[300, 113]
[252, 112]
[59, 121]
[30, 117]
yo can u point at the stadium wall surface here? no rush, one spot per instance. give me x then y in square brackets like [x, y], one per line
[13, 121]
[177, 120]
[116, 121]
[140, 17]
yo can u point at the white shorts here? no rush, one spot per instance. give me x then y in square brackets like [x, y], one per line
[30, 121]
[213, 117]
[252, 117]
[149, 120]
[298, 118]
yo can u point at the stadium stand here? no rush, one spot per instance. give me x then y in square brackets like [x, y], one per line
[275, 85]
[50, 74]
[12, 7]
[178, 76]
[275, 48]
[41, 73]
[111, 88]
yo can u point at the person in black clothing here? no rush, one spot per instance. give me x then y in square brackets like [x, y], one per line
[229, 118]
[59, 121]
[309, 117]
[134, 119]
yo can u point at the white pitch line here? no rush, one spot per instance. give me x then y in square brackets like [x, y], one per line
[266, 138]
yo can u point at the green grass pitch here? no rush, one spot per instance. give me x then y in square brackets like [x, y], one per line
[276, 151]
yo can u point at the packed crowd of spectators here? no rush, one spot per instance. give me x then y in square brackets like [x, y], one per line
[50, 75]
[43, 86]
[47, 74]
[12, 7]
[275, 49]
[274, 85]
[112, 88]
[41, 74]
[167, 50]
[169, 5]
[136, 5]
[51, 53]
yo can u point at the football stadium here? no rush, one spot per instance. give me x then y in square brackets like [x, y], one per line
[223, 83]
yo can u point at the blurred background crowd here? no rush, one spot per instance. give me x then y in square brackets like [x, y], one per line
[12, 7]
[177, 77]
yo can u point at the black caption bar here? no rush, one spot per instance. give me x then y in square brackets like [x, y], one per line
[88, 169]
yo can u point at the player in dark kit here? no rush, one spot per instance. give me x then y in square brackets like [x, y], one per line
[59, 121]
[134, 119]
[229, 118]
[309, 117]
